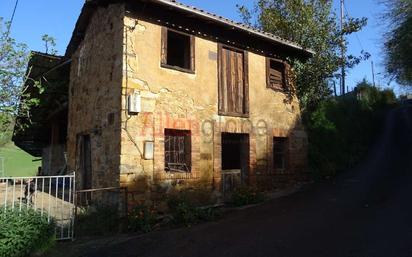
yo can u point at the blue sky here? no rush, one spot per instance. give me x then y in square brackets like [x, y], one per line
[58, 17]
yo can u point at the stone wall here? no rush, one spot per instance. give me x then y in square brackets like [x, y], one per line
[95, 96]
[53, 160]
[120, 55]
[174, 99]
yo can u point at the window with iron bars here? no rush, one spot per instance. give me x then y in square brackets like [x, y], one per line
[178, 150]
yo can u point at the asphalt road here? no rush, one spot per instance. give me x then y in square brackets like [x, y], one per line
[365, 212]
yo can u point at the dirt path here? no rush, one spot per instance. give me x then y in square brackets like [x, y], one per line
[365, 212]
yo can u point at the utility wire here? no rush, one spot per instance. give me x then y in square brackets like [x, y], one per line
[12, 19]
[360, 44]
[356, 34]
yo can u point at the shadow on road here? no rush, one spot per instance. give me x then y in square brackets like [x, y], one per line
[364, 212]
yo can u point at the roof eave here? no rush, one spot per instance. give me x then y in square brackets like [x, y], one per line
[234, 25]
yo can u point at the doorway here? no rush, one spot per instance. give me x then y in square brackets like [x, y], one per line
[85, 161]
[235, 160]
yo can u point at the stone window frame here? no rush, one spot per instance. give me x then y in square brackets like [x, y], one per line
[164, 50]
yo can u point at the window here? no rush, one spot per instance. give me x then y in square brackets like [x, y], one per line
[178, 150]
[280, 151]
[178, 50]
[276, 78]
[233, 82]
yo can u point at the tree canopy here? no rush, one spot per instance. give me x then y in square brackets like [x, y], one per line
[13, 61]
[14, 73]
[398, 46]
[312, 24]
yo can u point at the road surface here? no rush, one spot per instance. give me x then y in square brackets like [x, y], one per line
[365, 212]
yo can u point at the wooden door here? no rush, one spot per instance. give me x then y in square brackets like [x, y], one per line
[233, 84]
[85, 161]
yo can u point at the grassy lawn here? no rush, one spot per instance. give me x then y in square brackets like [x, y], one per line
[17, 163]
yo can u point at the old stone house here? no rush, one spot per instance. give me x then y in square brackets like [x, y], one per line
[164, 95]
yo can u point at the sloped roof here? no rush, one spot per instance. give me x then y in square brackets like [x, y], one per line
[91, 5]
[53, 72]
[252, 30]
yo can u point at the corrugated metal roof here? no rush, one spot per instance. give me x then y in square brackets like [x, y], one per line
[91, 5]
[238, 25]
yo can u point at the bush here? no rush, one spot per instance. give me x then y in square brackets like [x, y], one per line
[342, 130]
[25, 232]
[141, 218]
[97, 221]
[187, 207]
[246, 195]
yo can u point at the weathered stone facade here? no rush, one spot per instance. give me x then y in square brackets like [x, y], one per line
[120, 55]
[94, 96]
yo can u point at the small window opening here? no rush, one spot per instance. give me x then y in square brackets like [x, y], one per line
[178, 50]
[276, 75]
[280, 153]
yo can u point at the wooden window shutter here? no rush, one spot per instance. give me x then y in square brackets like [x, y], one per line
[268, 73]
[192, 53]
[164, 46]
[233, 81]
[220, 77]
[275, 74]
[246, 81]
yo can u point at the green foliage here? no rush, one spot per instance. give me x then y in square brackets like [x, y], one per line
[49, 44]
[342, 130]
[373, 97]
[312, 24]
[97, 221]
[246, 195]
[186, 207]
[398, 41]
[141, 218]
[14, 75]
[25, 232]
[13, 61]
[6, 128]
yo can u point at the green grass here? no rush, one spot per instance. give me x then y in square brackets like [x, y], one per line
[17, 163]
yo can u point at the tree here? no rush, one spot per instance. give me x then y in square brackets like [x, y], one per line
[13, 61]
[49, 44]
[398, 40]
[313, 25]
[13, 75]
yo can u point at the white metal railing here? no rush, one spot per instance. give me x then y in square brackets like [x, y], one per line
[52, 196]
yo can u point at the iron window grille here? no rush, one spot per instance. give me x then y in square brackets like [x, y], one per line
[177, 151]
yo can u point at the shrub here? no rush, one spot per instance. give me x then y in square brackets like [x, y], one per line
[186, 207]
[25, 232]
[246, 195]
[96, 221]
[342, 130]
[141, 218]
